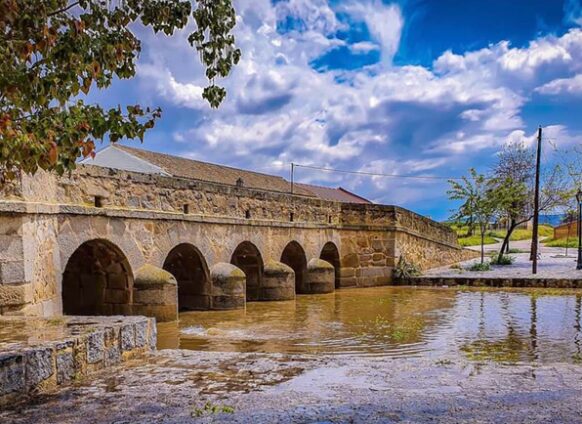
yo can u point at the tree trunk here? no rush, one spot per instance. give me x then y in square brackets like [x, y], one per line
[470, 226]
[505, 244]
[482, 244]
[568, 237]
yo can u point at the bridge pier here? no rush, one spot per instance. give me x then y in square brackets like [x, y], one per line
[320, 277]
[155, 294]
[278, 282]
[228, 287]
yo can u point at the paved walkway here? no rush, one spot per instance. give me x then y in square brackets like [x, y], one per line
[552, 264]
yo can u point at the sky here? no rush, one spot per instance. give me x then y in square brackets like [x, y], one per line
[410, 87]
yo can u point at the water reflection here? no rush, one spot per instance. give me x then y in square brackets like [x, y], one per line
[503, 326]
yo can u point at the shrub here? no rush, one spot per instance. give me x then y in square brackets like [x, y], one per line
[503, 260]
[405, 269]
[485, 266]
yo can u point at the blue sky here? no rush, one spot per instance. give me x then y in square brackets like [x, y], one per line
[410, 87]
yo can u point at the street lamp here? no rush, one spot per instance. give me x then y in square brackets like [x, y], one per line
[579, 229]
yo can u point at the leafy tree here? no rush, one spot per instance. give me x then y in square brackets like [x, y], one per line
[483, 202]
[53, 51]
[513, 179]
[466, 191]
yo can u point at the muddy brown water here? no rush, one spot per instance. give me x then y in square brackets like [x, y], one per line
[529, 325]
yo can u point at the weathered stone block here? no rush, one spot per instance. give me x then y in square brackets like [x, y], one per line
[141, 334]
[351, 260]
[12, 271]
[95, 347]
[348, 282]
[127, 337]
[11, 247]
[113, 355]
[15, 294]
[12, 373]
[39, 365]
[65, 366]
[163, 296]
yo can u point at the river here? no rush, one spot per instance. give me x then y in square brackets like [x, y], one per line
[509, 326]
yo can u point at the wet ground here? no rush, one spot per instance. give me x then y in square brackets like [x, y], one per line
[365, 355]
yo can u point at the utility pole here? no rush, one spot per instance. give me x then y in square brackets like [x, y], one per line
[292, 177]
[534, 235]
[292, 212]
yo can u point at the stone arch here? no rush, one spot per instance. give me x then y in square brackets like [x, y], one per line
[97, 280]
[330, 253]
[294, 256]
[188, 266]
[248, 258]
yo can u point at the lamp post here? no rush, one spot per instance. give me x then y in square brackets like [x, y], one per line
[579, 228]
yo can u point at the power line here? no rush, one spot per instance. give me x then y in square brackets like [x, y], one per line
[376, 174]
[552, 141]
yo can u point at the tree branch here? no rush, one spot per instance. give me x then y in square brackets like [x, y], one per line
[56, 12]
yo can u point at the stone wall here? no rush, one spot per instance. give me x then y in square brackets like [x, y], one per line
[428, 254]
[120, 189]
[66, 351]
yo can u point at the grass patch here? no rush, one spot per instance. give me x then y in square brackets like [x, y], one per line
[546, 231]
[503, 260]
[571, 242]
[523, 233]
[514, 250]
[475, 240]
[211, 409]
[485, 266]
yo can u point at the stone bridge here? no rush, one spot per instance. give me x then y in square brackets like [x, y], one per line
[102, 241]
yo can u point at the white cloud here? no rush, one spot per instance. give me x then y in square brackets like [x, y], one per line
[554, 138]
[393, 119]
[562, 85]
[363, 47]
[183, 94]
[384, 22]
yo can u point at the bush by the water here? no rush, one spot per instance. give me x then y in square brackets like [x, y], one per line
[405, 269]
[478, 266]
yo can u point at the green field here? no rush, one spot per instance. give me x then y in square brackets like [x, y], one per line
[571, 242]
[523, 233]
[475, 240]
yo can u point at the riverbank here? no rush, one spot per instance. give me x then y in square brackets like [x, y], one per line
[178, 386]
[38, 355]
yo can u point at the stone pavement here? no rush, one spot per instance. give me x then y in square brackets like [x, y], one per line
[552, 264]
